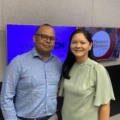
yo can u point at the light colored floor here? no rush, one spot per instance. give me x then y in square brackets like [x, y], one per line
[116, 117]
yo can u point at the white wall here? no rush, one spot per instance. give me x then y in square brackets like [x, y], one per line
[106, 13]
[0, 16]
[90, 13]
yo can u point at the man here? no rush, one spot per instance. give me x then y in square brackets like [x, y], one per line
[30, 82]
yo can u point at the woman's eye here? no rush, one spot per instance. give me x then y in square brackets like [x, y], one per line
[73, 42]
[82, 42]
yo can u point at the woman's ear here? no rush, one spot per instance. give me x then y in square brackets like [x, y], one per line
[91, 44]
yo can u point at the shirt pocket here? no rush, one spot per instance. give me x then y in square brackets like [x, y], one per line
[25, 78]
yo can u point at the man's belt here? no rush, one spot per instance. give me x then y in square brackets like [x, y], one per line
[43, 118]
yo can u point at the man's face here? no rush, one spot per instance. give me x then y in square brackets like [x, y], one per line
[44, 40]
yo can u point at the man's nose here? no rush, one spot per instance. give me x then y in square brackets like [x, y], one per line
[48, 39]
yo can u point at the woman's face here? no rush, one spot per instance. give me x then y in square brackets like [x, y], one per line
[80, 46]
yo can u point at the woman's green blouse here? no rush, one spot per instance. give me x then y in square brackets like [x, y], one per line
[89, 87]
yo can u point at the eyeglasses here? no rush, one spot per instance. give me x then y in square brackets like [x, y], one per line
[46, 37]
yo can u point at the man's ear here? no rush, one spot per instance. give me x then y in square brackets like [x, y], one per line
[34, 38]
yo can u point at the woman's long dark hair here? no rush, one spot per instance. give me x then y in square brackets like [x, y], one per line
[70, 59]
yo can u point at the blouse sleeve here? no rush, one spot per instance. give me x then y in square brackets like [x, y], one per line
[104, 91]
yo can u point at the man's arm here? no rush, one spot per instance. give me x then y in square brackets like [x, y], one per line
[8, 92]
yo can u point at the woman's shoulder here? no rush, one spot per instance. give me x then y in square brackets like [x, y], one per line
[95, 65]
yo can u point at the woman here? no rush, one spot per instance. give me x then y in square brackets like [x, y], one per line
[86, 84]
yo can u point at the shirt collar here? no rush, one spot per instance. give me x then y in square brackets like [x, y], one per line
[35, 54]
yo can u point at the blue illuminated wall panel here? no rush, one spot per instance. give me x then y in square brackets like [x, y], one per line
[20, 40]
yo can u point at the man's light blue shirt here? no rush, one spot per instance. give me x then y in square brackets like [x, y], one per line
[30, 86]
